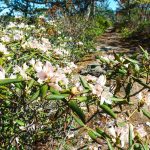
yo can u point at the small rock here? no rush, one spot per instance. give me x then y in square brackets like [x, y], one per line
[93, 69]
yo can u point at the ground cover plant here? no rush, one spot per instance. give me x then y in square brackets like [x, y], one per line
[44, 101]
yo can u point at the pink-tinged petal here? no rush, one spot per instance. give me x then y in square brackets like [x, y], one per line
[90, 78]
[140, 96]
[55, 86]
[41, 75]
[102, 100]
[141, 131]
[38, 66]
[49, 67]
[101, 80]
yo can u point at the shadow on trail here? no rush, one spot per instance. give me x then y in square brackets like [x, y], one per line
[112, 41]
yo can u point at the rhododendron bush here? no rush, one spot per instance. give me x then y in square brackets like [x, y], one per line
[44, 100]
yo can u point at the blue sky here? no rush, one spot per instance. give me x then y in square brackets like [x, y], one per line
[113, 4]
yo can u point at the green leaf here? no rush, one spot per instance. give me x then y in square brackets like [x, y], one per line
[102, 133]
[108, 111]
[19, 122]
[146, 113]
[132, 61]
[92, 135]
[122, 71]
[2, 96]
[84, 83]
[79, 121]
[136, 67]
[31, 82]
[146, 55]
[117, 100]
[103, 60]
[128, 89]
[9, 81]
[130, 135]
[145, 146]
[74, 106]
[54, 91]
[44, 90]
[82, 98]
[57, 97]
[35, 95]
[19, 85]
[109, 144]
[117, 57]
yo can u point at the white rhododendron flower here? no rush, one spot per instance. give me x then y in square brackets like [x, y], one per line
[5, 38]
[18, 35]
[32, 62]
[22, 70]
[91, 78]
[38, 66]
[140, 131]
[11, 25]
[2, 73]
[80, 43]
[101, 80]
[105, 58]
[99, 88]
[22, 25]
[13, 76]
[48, 73]
[60, 51]
[45, 72]
[140, 96]
[44, 45]
[96, 89]
[3, 49]
[72, 65]
[122, 133]
[105, 100]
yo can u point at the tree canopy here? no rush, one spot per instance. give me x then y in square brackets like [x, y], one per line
[32, 7]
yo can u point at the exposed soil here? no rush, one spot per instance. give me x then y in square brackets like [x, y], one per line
[108, 43]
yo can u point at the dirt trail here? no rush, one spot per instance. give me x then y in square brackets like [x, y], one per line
[108, 43]
[111, 41]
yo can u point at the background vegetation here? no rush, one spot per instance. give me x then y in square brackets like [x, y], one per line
[44, 102]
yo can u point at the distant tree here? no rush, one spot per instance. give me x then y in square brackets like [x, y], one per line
[32, 7]
[134, 10]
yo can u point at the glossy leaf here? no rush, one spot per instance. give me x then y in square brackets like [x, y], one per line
[74, 106]
[109, 144]
[108, 110]
[79, 121]
[102, 133]
[130, 135]
[92, 135]
[35, 95]
[31, 82]
[84, 83]
[9, 81]
[19, 122]
[44, 90]
[146, 113]
[56, 97]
